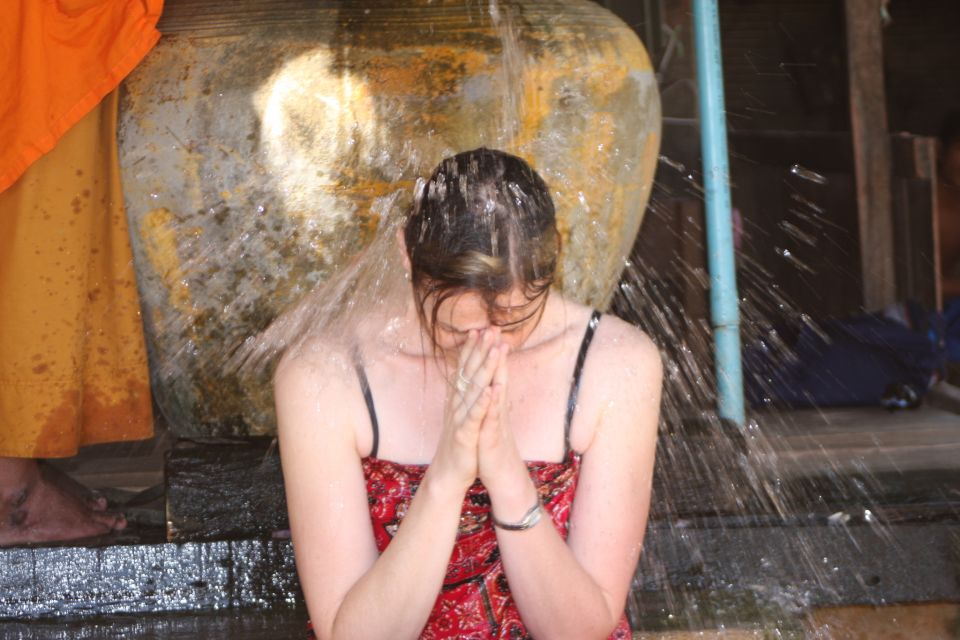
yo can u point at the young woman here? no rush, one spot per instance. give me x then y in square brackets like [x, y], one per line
[479, 467]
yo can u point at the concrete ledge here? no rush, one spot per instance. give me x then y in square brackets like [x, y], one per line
[139, 578]
[797, 567]
[792, 566]
[278, 623]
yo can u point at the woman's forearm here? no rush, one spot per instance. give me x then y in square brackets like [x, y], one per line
[555, 595]
[394, 598]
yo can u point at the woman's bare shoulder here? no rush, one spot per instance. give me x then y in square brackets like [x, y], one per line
[614, 341]
[626, 355]
[621, 387]
[317, 384]
[314, 364]
[612, 336]
[619, 334]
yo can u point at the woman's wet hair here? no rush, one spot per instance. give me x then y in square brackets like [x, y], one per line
[483, 223]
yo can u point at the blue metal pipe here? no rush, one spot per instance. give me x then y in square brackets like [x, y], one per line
[724, 302]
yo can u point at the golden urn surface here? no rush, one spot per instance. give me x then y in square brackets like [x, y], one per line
[261, 139]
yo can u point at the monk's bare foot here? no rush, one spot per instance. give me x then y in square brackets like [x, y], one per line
[35, 509]
[90, 497]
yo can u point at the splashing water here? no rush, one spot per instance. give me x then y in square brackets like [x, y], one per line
[721, 490]
[807, 174]
[736, 481]
[513, 70]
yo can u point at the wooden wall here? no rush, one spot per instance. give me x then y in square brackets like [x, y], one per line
[788, 103]
[922, 63]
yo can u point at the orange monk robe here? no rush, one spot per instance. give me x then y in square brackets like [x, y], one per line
[59, 58]
[73, 367]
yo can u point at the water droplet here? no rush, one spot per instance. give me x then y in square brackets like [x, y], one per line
[838, 518]
[798, 198]
[673, 163]
[797, 233]
[788, 255]
[807, 174]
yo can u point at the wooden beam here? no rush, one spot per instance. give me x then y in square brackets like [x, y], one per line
[914, 219]
[221, 491]
[871, 145]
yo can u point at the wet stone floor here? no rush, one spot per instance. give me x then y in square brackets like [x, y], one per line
[937, 621]
[897, 622]
[277, 624]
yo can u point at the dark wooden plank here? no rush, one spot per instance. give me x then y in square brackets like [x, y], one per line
[233, 490]
[224, 490]
[283, 622]
[913, 156]
[144, 577]
[130, 466]
[911, 561]
[871, 150]
[915, 256]
[914, 198]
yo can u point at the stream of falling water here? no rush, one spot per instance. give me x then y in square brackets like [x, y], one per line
[715, 482]
[740, 468]
[737, 467]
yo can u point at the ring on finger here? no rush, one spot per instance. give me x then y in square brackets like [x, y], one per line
[462, 383]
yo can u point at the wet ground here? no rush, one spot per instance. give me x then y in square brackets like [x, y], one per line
[248, 625]
[900, 622]
[893, 443]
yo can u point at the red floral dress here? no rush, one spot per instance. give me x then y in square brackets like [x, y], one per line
[475, 601]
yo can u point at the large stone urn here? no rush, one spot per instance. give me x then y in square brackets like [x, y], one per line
[259, 141]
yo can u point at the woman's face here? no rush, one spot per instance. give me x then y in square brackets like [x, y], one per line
[515, 315]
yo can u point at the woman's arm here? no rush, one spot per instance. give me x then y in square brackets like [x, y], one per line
[578, 589]
[351, 592]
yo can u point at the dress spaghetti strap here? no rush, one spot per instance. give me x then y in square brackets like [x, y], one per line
[368, 398]
[577, 371]
[571, 400]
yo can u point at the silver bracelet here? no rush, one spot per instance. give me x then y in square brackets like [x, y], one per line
[528, 521]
